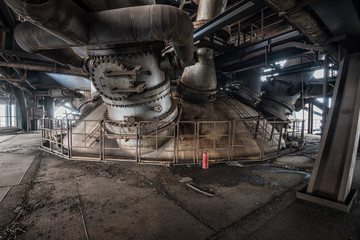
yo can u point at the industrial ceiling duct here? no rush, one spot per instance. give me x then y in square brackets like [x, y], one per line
[97, 6]
[124, 25]
[70, 26]
[294, 11]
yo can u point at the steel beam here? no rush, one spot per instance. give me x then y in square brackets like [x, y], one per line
[330, 182]
[263, 60]
[325, 89]
[259, 46]
[231, 15]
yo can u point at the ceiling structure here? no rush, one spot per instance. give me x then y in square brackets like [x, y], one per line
[262, 33]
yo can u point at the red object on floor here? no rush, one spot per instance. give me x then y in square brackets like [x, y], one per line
[205, 160]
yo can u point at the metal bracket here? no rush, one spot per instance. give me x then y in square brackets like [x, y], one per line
[136, 71]
[140, 88]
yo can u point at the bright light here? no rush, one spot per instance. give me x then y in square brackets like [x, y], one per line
[319, 74]
[268, 70]
[281, 63]
[263, 78]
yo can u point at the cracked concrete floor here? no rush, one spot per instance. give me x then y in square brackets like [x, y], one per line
[65, 199]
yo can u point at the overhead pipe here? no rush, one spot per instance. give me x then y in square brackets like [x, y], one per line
[103, 5]
[64, 93]
[63, 19]
[208, 10]
[70, 26]
[42, 68]
[124, 25]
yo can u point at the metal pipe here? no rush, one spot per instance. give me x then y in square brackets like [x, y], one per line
[145, 23]
[63, 19]
[198, 82]
[125, 25]
[12, 79]
[97, 6]
[311, 119]
[64, 93]
[207, 10]
[34, 67]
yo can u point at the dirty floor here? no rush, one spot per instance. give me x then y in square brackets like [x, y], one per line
[46, 197]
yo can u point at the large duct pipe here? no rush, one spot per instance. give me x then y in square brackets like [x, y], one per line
[103, 5]
[125, 25]
[199, 83]
[208, 10]
[70, 26]
[279, 99]
[63, 19]
[63, 93]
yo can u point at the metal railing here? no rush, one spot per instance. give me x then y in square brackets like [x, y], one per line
[181, 142]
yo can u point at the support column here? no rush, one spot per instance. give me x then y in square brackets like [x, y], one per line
[10, 112]
[7, 114]
[325, 90]
[330, 182]
[311, 118]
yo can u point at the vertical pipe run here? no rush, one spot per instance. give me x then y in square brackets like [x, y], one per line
[311, 118]
[325, 90]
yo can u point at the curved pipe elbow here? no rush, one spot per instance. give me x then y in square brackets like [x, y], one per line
[32, 39]
[173, 25]
[64, 19]
[145, 23]
[124, 25]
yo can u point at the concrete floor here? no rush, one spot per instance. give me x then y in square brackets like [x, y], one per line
[51, 198]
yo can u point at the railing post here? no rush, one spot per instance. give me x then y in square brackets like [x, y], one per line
[233, 139]
[197, 140]
[229, 142]
[280, 137]
[69, 138]
[137, 142]
[263, 139]
[101, 140]
[61, 134]
[302, 129]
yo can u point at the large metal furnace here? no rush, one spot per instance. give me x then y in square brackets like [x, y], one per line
[133, 104]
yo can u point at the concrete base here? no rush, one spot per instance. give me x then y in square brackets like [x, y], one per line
[344, 207]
